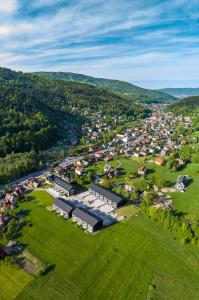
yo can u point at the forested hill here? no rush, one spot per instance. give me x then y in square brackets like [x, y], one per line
[31, 112]
[181, 92]
[122, 88]
[185, 106]
[34, 110]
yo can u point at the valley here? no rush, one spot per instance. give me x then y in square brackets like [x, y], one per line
[132, 172]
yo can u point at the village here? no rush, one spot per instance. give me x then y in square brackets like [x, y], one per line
[91, 189]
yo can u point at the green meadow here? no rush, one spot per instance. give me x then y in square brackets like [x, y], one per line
[12, 281]
[135, 259]
[132, 260]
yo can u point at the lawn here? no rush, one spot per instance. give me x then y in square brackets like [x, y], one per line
[132, 260]
[127, 211]
[12, 281]
[187, 202]
[42, 198]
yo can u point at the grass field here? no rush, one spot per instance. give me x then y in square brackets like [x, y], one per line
[12, 281]
[187, 202]
[127, 211]
[133, 260]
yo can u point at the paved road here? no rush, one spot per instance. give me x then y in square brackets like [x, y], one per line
[63, 163]
[22, 180]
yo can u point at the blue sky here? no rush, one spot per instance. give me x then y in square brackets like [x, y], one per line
[148, 42]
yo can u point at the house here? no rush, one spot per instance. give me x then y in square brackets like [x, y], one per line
[142, 171]
[63, 207]
[106, 196]
[113, 172]
[164, 152]
[126, 139]
[181, 183]
[108, 157]
[9, 247]
[79, 170]
[107, 168]
[65, 187]
[98, 155]
[87, 219]
[19, 190]
[10, 198]
[136, 154]
[32, 182]
[159, 161]
[128, 188]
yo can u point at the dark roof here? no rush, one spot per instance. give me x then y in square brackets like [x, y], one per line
[100, 190]
[63, 204]
[62, 183]
[86, 216]
[182, 179]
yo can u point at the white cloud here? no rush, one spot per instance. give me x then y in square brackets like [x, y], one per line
[6, 30]
[8, 6]
[112, 38]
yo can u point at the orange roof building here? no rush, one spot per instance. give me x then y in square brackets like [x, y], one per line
[159, 161]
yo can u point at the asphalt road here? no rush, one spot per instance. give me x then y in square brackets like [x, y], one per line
[63, 163]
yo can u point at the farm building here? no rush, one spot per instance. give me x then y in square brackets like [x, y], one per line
[106, 196]
[87, 219]
[63, 207]
[67, 188]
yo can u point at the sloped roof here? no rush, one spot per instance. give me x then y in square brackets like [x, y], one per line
[63, 204]
[62, 183]
[100, 190]
[87, 216]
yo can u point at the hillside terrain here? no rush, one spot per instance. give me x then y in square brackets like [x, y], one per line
[187, 105]
[122, 88]
[181, 92]
[34, 110]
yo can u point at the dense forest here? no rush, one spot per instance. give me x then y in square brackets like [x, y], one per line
[122, 88]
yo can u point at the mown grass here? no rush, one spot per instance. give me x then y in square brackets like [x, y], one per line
[12, 281]
[121, 262]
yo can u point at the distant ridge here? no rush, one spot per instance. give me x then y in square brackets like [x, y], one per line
[130, 91]
[181, 92]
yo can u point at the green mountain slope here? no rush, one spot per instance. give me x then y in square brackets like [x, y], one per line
[122, 88]
[34, 110]
[181, 92]
[185, 106]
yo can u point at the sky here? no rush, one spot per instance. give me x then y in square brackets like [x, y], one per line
[152, 43]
